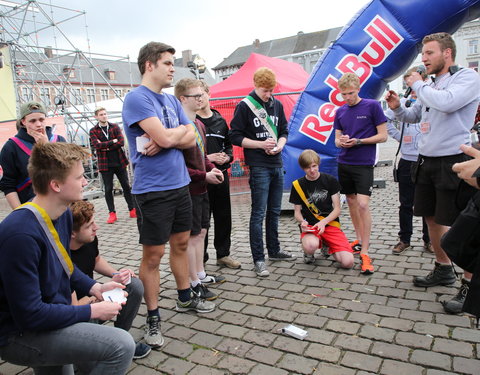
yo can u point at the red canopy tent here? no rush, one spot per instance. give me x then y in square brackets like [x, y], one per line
[291, 77]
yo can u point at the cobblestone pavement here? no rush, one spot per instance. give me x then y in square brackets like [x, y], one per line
[378, 324]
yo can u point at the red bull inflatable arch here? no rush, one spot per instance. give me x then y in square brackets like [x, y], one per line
[378, 44]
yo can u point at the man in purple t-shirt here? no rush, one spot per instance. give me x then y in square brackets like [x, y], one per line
[359, 125]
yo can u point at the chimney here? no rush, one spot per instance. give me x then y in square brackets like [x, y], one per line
[256, 43]
[48, 52]
[186, 57]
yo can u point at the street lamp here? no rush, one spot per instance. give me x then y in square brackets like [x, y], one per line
[197, 66]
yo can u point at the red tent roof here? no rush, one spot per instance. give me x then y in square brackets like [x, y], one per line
[290, 77]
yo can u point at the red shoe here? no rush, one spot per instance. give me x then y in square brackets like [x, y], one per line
[133, 213]
[367, 267]
[112, 217]
[356, 247]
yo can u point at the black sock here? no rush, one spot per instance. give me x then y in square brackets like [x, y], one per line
[184, 295]
[153, 312]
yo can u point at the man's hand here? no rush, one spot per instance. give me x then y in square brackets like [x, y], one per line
[412, 78]
[214, 177]
[105, 310]
[466, 169]
[392, 99]
[277, 149]
[304, 225]
[268, 145]
[346, 142]
[320, 226]
[97, 289]
[218, 158]
[123, 276]
[40, 136]
[151, 148]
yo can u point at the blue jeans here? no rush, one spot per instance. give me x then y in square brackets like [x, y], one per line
[92, 348]
[266, 185]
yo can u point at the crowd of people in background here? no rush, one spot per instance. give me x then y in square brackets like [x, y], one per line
[180, 151]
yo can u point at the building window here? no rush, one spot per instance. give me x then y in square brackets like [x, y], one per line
[110, 74]
[473, 65]
[118, 93]
[45, 95]
[473, 47]
[69, 72]
[76, 96]
[90, 95]
[104, 94]
[27, 95]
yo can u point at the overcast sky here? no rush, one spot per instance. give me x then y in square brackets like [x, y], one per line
[211, 28]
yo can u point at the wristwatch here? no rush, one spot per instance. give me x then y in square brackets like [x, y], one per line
[359, 141]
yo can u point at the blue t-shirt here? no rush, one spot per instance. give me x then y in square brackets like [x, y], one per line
[165, 170]
[359, 121]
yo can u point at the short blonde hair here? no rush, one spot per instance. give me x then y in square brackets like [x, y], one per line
[348, 80]
[265, 78]
[99, 109]
[307, 158]
[185, 84]
[53, 161]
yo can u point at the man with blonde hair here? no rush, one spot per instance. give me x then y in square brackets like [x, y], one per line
[316, 199]
[106, 139]
[359, 125]
[202, 172]
[260, 127]
[446, 109]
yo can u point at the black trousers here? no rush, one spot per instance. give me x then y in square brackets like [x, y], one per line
[406, 189]
[220, 207]
[122, 176]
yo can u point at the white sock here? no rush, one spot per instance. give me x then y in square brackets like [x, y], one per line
[195, 283]
[201, 275]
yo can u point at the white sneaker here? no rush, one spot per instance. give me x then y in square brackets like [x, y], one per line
[152, 336]
[261, 268]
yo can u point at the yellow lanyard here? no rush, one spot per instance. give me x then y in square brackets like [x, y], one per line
[311, 207]
[52, 235]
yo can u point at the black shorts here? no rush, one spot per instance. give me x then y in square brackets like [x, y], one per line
[436, 188]
[200, 213]
[161, 213]
[355, 179]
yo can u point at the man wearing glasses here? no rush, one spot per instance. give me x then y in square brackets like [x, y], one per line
[158, 130]
[202, 172]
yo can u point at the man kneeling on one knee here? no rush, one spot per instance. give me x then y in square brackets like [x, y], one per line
[317, 206]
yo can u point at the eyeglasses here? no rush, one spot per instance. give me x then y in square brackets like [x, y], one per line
[197, 97]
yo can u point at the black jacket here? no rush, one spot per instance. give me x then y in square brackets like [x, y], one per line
[218, 138]
[246, 125]
[14, 162]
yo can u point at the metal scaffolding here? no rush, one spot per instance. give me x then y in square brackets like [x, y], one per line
[43, 58]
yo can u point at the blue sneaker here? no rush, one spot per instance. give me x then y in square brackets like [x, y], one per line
[141, 350]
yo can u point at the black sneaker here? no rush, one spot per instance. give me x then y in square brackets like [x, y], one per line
[213, 279]
[152, 336]
[282, 255]
[442, 274]
[195, 304]
[141, 350]
[202, 291]
[455, 305]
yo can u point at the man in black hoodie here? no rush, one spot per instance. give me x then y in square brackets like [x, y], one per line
[260, 127]
[219, 152]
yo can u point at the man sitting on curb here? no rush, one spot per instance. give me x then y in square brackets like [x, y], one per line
[85, 256]
[39, 326]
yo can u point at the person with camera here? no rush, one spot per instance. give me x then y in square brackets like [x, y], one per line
[446, 108]
[408, 136]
